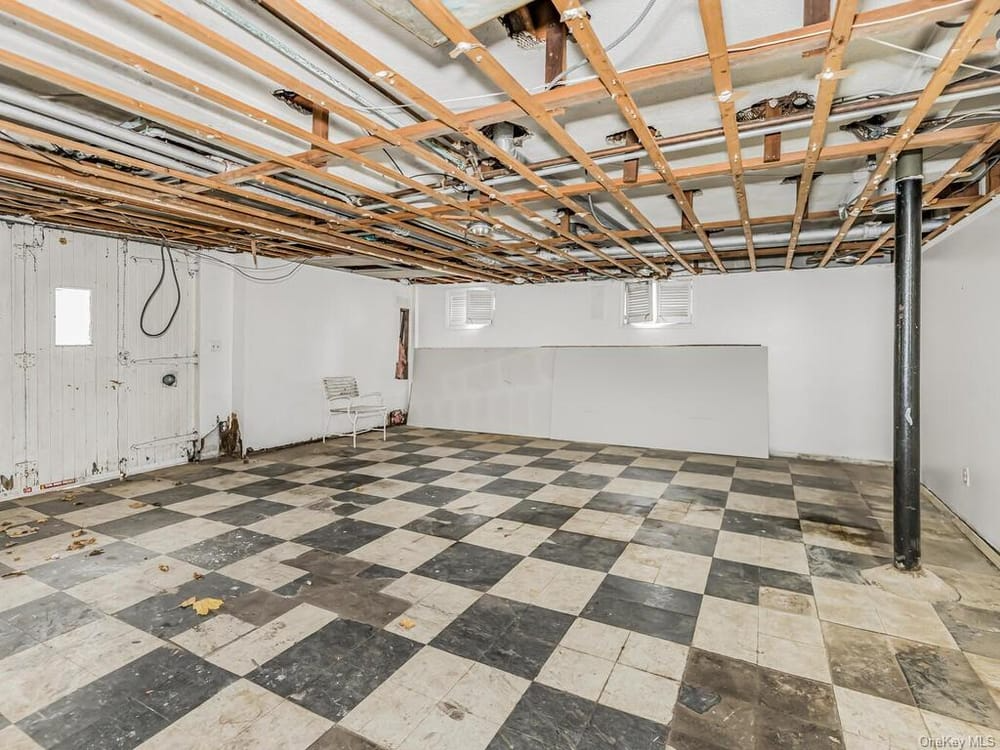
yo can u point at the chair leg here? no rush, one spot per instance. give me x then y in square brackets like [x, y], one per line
[354, 431]
[385, 419]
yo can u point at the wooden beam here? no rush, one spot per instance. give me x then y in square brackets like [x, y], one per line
[597, 56]
[224, 46]
[815, 11]
[787, 43]
[978, 18]
[630, 167]
[161, 197]
[718, 54]
[99, 45]
[932, 191]
[555, 47]
[840, 34]
[772, 141]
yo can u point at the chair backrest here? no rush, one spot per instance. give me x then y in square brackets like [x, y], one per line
[343, 386]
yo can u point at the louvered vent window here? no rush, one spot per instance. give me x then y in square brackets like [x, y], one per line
[470, 308]
[651, 304]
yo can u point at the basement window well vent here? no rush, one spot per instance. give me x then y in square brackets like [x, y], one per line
[470, 308]
[72, 314]
[653, 304]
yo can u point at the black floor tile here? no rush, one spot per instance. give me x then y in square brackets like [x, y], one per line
[759, 524]
[645, 608]
[433, 494]
[553, 464]
[448, 525]
[49, 616]
[421, 475]
[335, 668]
[647, 475]
[72, 501]
[271, 486]
[697, 467]
[227, 548]
[413, 459]
[738, 582]
[611, 729]
[490, 469]
[69, 571]
[616, 502]
[344, 535]
[837, 484]
[508, 635]
[676, 536]
[131, 704]
[539, 513]
[249, 512]
[545, 718]
[581, 550]
[511, 487]
[767, 489]
[274, 470]
[140, 523]
[582, 481]
[177, 494]
[696, 495]
[470, 566]
[162, 614]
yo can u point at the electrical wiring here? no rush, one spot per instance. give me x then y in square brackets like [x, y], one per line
[744, 48]
[164, 254]
[610, 46]
[936, 58]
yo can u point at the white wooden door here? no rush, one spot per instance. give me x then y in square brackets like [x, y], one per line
[72, 298]
[85, 394]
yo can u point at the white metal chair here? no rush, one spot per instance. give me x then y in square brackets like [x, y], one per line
[343, 399]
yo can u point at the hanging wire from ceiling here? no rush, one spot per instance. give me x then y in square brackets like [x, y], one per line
[165, 253]
[610, 46]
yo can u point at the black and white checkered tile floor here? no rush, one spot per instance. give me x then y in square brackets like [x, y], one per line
[454, 590]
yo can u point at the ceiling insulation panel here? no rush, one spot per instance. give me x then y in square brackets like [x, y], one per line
[471, 13]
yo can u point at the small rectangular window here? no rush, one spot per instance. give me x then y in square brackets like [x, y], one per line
[470, 308]
[72, 313]
[653, 304]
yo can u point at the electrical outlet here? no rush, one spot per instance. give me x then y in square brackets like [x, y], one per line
[966, 480]
[215, 346]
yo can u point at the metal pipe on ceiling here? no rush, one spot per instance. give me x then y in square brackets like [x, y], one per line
[715, 136]
[60, 113]
[71, 123]
[861, 232]
[278, 46]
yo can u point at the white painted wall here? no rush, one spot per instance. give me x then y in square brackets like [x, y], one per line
[960, 360]
[828, 334]
[278, 340]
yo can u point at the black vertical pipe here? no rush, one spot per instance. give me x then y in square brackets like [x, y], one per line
[906, 387]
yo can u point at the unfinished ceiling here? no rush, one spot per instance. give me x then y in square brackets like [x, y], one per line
[449, 141]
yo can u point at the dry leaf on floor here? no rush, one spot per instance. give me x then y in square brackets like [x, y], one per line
[137, 504]
[13, 574]
[40, 521]
[81, 543]
[202, 606]
[407, 624]
[78, 532]
[164, 568]
[197, 576]
[16, 531]
[95, 552]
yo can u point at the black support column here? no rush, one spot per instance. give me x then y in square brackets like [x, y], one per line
[906, 388]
